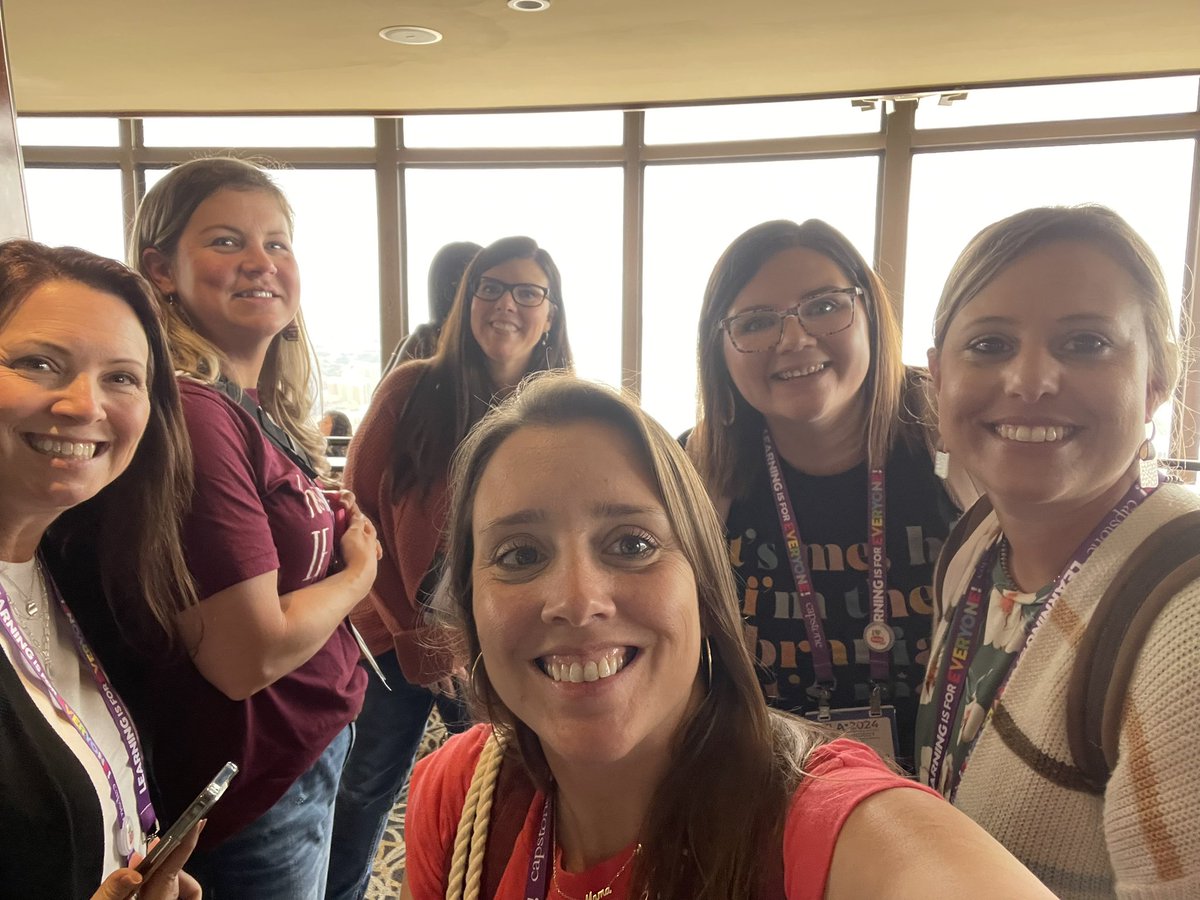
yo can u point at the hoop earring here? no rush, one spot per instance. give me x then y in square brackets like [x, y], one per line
[706, 658]
[471, 677]
[1147, 462]
[291, 331]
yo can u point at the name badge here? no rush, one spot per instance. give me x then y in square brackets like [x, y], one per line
[860, 723]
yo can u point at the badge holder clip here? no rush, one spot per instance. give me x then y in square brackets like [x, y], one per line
[876, 700]
[822, 692]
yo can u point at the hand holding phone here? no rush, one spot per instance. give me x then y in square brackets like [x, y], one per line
[198, 809]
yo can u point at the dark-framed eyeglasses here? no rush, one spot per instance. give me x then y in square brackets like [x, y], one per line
[492, 289]
[824, 313]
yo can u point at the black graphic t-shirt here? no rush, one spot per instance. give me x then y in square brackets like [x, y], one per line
[831, 511]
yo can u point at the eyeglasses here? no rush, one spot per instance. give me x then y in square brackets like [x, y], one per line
[820, 315]
[492, 289]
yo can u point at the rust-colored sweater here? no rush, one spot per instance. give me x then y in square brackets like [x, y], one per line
[410, 532]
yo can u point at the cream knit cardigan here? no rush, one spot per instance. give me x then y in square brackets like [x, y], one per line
[1142, 838]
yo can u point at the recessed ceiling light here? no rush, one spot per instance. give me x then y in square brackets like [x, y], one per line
[410, 34]
[529, 5]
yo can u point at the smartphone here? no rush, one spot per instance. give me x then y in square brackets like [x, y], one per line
[198, 809]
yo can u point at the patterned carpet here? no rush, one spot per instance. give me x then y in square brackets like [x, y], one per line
[388, 872]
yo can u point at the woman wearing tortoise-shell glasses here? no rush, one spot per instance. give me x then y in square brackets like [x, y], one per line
[507, 321]
[811, 445]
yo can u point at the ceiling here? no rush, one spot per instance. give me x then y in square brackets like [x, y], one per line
[147, 56]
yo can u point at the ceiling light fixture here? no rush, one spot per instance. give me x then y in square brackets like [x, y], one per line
[529, 5]
[410, 34]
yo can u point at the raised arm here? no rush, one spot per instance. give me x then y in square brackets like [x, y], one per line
[905, 843]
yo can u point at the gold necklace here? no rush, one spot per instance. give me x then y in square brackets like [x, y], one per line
[605, 891]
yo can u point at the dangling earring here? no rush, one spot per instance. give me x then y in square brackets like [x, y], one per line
[292, 331]
[730, 406]
[706, 658]
[941, 463]
[545, 342]
[1147, 463]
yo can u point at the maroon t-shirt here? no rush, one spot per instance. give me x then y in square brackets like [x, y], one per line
[253, 512]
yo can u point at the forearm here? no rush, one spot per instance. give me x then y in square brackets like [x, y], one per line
[246, 637]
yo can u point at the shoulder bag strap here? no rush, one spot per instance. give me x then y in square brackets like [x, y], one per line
[1112, 642]
[272, 432]
[966, 525]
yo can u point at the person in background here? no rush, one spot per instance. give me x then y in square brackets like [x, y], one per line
[630, 752]
[445, 273]
[271, 678]
[508, 320]
[93, 475]
[336, 427]
[812, 445]
[1054, 345]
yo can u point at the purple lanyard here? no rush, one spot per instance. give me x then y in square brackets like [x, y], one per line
[878, 634]
[966, 629]
[33, 664]
[543, 855]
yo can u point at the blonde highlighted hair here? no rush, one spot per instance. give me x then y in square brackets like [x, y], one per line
[289, 381]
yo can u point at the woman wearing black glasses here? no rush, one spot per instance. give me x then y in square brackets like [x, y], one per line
[507, 321]
[810, 443]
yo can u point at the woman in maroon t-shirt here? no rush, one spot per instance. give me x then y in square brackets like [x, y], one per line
[272, 680]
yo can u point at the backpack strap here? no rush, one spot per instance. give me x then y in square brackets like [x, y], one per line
[510, 806]
[1108, 653]
[966, 525]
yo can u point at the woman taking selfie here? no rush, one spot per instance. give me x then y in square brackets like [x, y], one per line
[508, 320]
[591, 580]
[812, 448]
[271, 679]
[1054, 346]
[93, 475]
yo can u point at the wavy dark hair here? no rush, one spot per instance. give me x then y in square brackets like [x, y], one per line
[893, 402]
[128, 534]
[748, 758]
[456, 390]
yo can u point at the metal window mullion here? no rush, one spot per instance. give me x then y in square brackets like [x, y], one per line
[133, 181]
[1080, 131]
[1186, 403]
[389, 202]
[632, 246]
[895, 185]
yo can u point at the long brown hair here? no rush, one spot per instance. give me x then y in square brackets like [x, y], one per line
[288, 383]
[455, 390]
[726, 452]
[128, 534]
[747, 757]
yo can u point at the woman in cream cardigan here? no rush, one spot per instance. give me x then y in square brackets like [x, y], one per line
[1053, 348]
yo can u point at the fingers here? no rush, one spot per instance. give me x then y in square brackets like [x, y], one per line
[120, 885]
[169, 881]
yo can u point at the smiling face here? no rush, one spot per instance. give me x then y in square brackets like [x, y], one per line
[1043, 379]
[585, 607]
[506, 331]
[73, 399]
[233, 270]
[805, 380]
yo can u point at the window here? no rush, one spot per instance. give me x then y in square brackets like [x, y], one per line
[755, 121]
[575, 214]
[555, 129]
[259, 131]
[1062, 102]
[79, 207]
[692, 214]
[37, 131]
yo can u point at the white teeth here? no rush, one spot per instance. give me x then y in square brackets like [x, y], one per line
[575, 671]
[262, 294]
[799, 373]
[1032, 434]
[64, 449]
[504, 326]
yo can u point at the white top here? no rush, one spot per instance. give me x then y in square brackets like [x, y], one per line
[73, 679]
